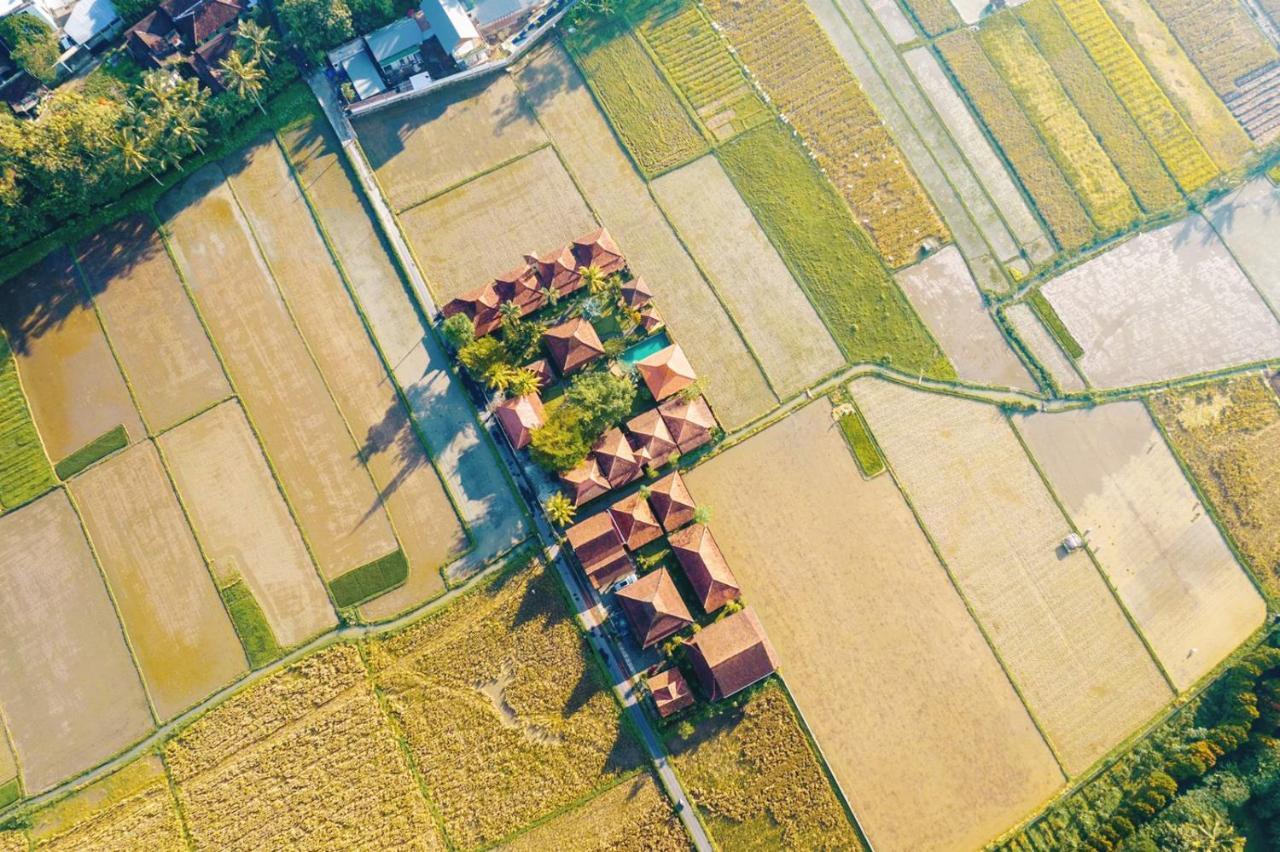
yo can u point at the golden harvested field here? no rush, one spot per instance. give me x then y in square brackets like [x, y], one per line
[70, 378]
[70, 694]
[226, 487]
[130, 809]
[1018, 139]
[439, 406]
[1036, 338]
[787, 52]
[424, 146]
[1069, 138]
[935, 16]
[408, 487]
[1166, 130]
[470, 234]
[758, 783]
[284, 393]
[1112, 470]
[633, 816]
[501, 707]
[13, 841]
[304, 760]
[1228, 435]
[1102, 111]
[737, 390]
[150, 323]
[1208, 117]
[775, 315]
[943, 291]
[915, 716]
[1066, 643]
[172, 614]
[1219, 37]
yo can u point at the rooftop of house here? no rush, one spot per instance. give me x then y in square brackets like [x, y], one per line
[585, 482]
[519, 416]
[689, 421]
[650, 438]
[672, 504]
[88, 18]
[599, 250]
[705, 566]
[394, 40]
[634, 520]
[450, 23]
[595, 540]
[732, 654]
[670, 691]
[363, 74]
[636, 293]
[666, 372]
[573, 344]
[618, 464]
[653, 606]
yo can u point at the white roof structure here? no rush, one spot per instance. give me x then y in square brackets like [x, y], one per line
[488, 11]
[364, 75]
[89, 18]
[450, 23]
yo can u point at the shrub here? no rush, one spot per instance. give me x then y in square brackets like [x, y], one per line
[603, 399]
[458, 331]
[480, 355]
[561, 443]
[35, 45]
[314, 25]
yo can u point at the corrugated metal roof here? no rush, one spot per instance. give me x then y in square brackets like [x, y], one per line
[364, 76]
[394, 39]
[450, 23]
[88, 18]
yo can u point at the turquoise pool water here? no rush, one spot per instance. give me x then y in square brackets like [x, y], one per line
[646, 347]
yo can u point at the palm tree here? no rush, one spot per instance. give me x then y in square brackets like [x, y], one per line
[132, 154]
[500, 376]
[185, 130]
[156, 89]
[525, 381]
[262, 47]
[552, 295]
[560, 509]
[243, 77]
[593, 278]
[510, 313]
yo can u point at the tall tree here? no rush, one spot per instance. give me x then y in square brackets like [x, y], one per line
[257, 42]
[244, 78]
[132, 153]
[34, 45]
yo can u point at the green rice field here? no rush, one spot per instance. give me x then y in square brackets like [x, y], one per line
[24, 471]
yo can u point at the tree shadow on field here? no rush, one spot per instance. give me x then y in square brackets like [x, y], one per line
[542, 81]
[394, 433]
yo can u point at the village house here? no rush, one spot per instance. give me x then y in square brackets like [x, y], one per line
[689, 421]
[634, 520]
[731, 654]
[585, 482]
[188, 36]
[397, 50]
[573, 344]
[670, 691]
[672, 504]
[612, 453]
[666, 372]
[654, 608]
[636, 293]
[651, 440]
[600, 550]
[518, 417]
[704, 564]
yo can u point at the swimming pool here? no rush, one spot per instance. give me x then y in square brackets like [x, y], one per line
[646, 347]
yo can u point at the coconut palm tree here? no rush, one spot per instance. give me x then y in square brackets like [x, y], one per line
[244, 77]
[186, 132]
[156, 90]
[500, 376]
[132, 153]
[525, 381]
[257, 39]
[560, 509]
[593, 278]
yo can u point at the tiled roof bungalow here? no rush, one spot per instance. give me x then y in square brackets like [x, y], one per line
[480, 306]
[573, 344]
[599, 547]
[634, 521]
[636, 293]
[666, 372]
[177, 32]
[650, 319]
[653, 606]
[520, 285]
[585, 482]
[519, 416]
[670, 691]
[689, 421]
[599, 250]
[557, 270]
[651, 441]
[618, 464]
[732, 654]
[704, 564]
[672, 504]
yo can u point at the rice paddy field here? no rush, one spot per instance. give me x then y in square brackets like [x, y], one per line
[1084, 673]
[502, 709]
[131, 808]
[915, 716]
[700, 65]
[632, 815]
[943, 291]
[1070, 139]
[1228, 436]
[303, 434]
[426, 145]
[69, 691]
[786, 51]
[1043, 348]
[646, 114]
[25, 472]
[1219, 37]
[1246, 221]
[150, 323]
[1101, 109]
[70, 377]
[484, 227]
[1116, 478]
[756, 781]
[173, 617]
[1205, 316]
[1018, 140]
[737, 387]
[777, 319]
[935, 17]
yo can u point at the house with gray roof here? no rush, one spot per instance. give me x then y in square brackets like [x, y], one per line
[396, 49]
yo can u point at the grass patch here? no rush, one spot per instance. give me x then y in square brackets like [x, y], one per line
[97, 449]
[113, 77]
[1056, 327]
[10, 792]
[1274, 173]
[644, 112]
[24, 471]
[752, 774]
[251, 626]
[828, 253]
[863, 445]
[370, 580]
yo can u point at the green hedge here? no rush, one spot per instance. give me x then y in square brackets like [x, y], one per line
[9, 793]
[99, 448]
[369, 581]
[860, 441]
[1040, 304]
[251, 626]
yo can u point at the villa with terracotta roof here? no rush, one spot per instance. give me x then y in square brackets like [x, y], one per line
[732, 654]
[573, 344]
[689, 421]
[670, 691]
[650, 319]
[519, 416]
[612, 453]
[480, 306]
[599, 250]
[599, 547]
[634, 521]
[651, 441]
[653, 606]
[705, 566]
[585, 482]
[672, 504]
[557, 270]
[666, 372]
[636, 293]
[542, 369]
[520, 285]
